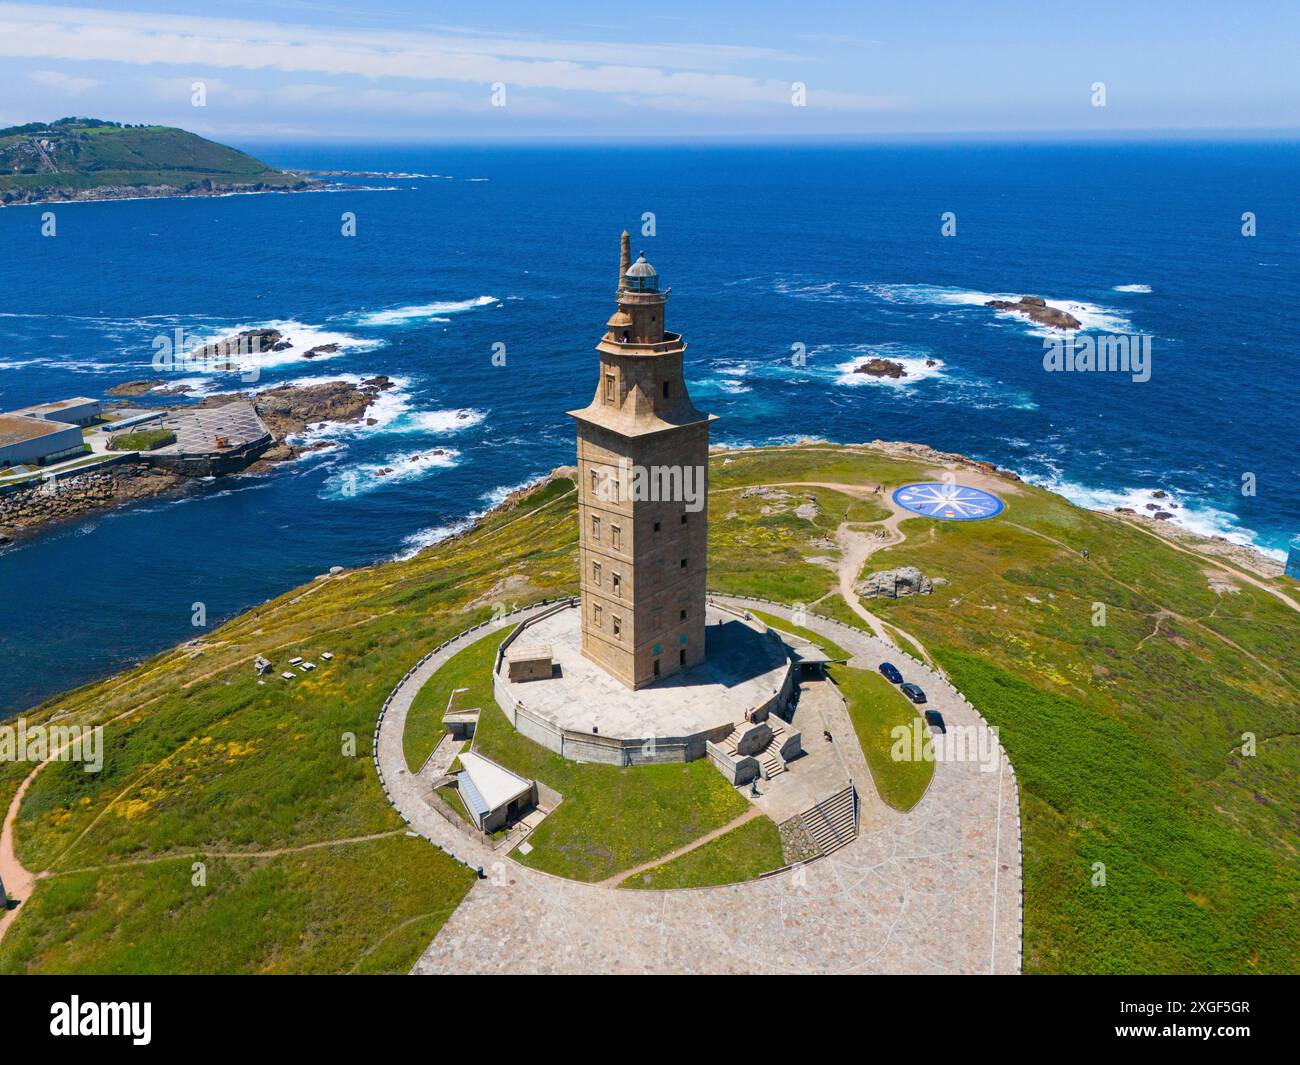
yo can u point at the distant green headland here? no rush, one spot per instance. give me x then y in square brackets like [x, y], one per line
[91, 159]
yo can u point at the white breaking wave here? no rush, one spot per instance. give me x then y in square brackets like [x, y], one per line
[1199, 518]
[417, 541]
[915, 367]
[1132, 288]
[1093, 318]
[439, 421]
[363, 477]
[420, 312]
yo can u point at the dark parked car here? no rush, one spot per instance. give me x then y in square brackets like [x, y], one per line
[913, 692]
[890, 673]
[935, 720]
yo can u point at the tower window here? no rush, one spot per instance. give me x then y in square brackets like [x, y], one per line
[595, 480]
[613, 489]
[595, 573]
[683, 519]
[681, 615]
[618, 583]
[681, 657]
[616, 537]
[665, 390]
[596, 614]
[656, 667]
[683, 563]
[609, 386]
[656, 526]
[595, 527]
[617, 623]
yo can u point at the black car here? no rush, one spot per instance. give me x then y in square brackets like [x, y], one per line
[913, 692]
[890, 673]
[935, 720]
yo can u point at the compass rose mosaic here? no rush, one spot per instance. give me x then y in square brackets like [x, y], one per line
[950, 502]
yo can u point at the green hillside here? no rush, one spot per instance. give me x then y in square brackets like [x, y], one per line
[86, 158]
[1127, 739]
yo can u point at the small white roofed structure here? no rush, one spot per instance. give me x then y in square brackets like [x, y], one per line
[491, 792]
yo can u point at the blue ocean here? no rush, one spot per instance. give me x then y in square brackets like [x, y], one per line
[835, 249]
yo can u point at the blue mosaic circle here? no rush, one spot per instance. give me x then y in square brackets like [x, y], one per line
[948, 502]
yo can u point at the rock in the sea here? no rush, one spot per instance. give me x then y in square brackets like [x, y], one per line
[879, 367]
[134, 388]
[320, 349]
[1159, 493]
[1162, 515]
[1035, 308]
[892, 583]
[249, 342]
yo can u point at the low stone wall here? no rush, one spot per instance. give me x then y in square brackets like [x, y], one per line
[211, 463]
[737, 770]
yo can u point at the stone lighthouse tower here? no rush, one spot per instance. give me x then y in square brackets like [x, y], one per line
[643, 459]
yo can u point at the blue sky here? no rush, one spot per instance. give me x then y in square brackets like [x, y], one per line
[573, 69]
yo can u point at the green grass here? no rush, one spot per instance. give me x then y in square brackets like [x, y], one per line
[144, 440]
[471, 669]
[92, 154]
[254, 915]
[612, 818]
[744, 853]
[877, 708]
[200, 758]
[1126, 739]
[829, 646]
[450, 794]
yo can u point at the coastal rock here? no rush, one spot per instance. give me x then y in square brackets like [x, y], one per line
[135, 388]
[289, 409]
[320, 349]
[1162, 515]
[248, 342]
[47, 501]
[879, 367]
[893, 583]
[1125, 510]
[1035, 308]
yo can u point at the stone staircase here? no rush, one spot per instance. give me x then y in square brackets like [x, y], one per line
[832, 822]
[769, 757]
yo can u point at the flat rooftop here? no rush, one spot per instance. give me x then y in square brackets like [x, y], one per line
[15, 428]
[197, 429]
[742, 669]
[58, 405]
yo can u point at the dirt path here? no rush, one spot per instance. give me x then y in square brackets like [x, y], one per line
[1233, 571]
[856, 547]
[274, 852]
[618, 878]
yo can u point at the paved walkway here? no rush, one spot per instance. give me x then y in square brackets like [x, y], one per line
[936, 890]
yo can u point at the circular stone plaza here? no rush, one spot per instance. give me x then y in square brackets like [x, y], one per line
[559, 697]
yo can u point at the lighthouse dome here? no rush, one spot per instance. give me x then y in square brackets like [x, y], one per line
[641, 276]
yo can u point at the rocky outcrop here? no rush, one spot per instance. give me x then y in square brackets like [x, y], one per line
[135, 388]
[879, 367]
[248, 342]
[1035, 308]
[49, 501]
[893, 583]
[289, 409]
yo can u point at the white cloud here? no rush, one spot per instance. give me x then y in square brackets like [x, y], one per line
[64, 83]
[692, 73]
